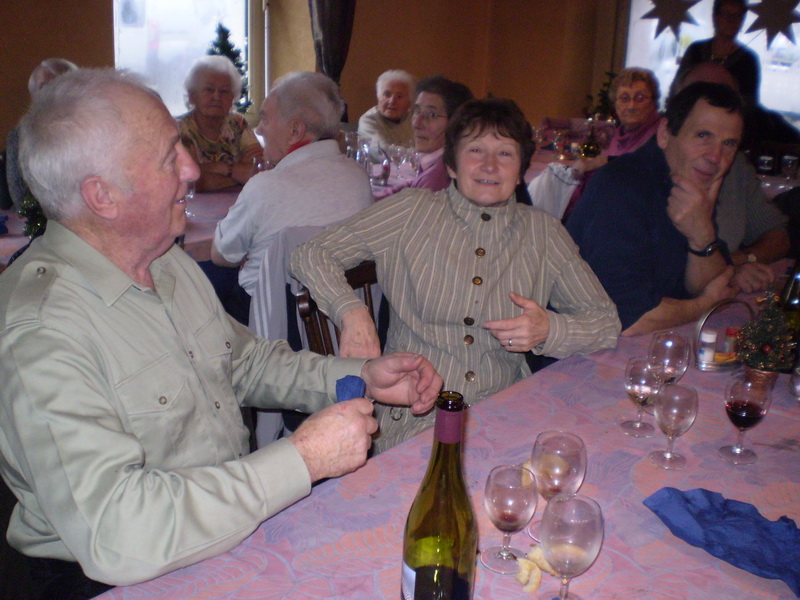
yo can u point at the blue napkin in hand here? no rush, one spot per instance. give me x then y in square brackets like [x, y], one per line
[349, 387]
[733, 531]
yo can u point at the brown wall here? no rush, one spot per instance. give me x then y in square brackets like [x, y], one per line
[32, 30]
[545, 58]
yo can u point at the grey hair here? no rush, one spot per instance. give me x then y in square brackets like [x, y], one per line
[48, 69]
[75, 129]
[395, 75]
[627, 77]
[311, 97]
[212, 64]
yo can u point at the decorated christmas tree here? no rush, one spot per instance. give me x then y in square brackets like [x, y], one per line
[223, 46]
[35, 221]
[766, 342]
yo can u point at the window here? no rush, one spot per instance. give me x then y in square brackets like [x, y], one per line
[160, 39]
[780, 64]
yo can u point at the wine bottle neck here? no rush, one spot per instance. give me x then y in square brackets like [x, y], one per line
[448, 428]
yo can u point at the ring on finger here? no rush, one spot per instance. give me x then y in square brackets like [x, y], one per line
[510, 342]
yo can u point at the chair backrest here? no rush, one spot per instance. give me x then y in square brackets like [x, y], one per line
[318, 328]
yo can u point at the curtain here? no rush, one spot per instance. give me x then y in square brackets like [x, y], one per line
[331, 27]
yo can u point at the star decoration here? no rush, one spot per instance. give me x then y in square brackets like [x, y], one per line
[671, 13]
[774, 17]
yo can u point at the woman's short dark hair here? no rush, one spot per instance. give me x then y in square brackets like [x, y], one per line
[718, 95]
[717, 7]
[499, 115]
[453, 93]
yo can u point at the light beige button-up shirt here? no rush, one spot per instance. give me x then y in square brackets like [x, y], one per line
[121, 432]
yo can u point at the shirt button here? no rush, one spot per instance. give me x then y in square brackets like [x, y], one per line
[162, 400]
[469, 376]
[486, 217]
[477, 281]
[480, 252]
[468, 339]
[216, 404]
[41, 271]
[227, 345]
[469, 321]
[191, 354]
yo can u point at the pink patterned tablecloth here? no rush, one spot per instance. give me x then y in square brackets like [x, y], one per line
[206, 210]
[345, 539]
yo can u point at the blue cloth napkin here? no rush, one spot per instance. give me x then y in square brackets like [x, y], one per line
[733, 531]
[349, 387]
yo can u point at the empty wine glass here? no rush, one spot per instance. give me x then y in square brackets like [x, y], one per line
[558, 460]
[640, 383]
[510, 500]
[668, 356]
[746, 403]
[675, 409]
[572, 533]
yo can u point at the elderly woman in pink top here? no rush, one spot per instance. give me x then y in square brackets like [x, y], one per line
[635, 95]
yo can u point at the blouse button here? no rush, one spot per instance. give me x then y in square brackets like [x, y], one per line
[480, 252]
[162, 400]
[486, 217]
[477, 281]
[469, 376]
[468, 339]
[469, 321]
[41, 271]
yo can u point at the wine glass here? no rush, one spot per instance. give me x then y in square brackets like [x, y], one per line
[572, 533]
[746, 404]
[640, 382]
[558, 460]
[510, 500]
[668, 356]
[675, 409]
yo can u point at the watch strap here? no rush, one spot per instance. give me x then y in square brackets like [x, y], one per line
[707, 251]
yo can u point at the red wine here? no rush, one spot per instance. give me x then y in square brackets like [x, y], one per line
[509, 521]
[744, 415]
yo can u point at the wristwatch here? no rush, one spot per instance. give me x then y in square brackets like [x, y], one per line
[707, 251]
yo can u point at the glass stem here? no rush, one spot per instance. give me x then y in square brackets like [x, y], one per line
[505, 551]
[739, 441]
[639, 415]
[564, 592]
[670, 445]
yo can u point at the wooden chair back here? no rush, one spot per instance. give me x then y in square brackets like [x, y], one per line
[316, 324]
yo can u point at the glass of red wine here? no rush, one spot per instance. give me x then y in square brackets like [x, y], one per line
[746, 403]
[510, 500]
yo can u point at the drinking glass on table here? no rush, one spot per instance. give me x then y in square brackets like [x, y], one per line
[558, 461]
[510, 501]
[640, 383]
[675, 409]
[572, 533]
[668, 356]
[746, 403]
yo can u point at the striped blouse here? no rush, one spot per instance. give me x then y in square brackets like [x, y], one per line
[446, 266]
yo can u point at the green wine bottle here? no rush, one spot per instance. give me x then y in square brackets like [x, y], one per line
[441, 537]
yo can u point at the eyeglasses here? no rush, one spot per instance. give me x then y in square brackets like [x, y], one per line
[428, 115]
[637, 99]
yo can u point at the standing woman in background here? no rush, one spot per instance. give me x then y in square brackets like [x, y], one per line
[220, 141]
[741, 62]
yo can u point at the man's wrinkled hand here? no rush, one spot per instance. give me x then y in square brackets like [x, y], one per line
[753, 277]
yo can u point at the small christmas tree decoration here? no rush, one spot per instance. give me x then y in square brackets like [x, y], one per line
[35, 221]
[223, 46]
[766, 343]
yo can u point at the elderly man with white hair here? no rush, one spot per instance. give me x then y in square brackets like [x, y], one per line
[312, 183]
[121, 432]
[390, 121]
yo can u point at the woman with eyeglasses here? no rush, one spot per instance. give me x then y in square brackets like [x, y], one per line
[436, 99]
[635, 95]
